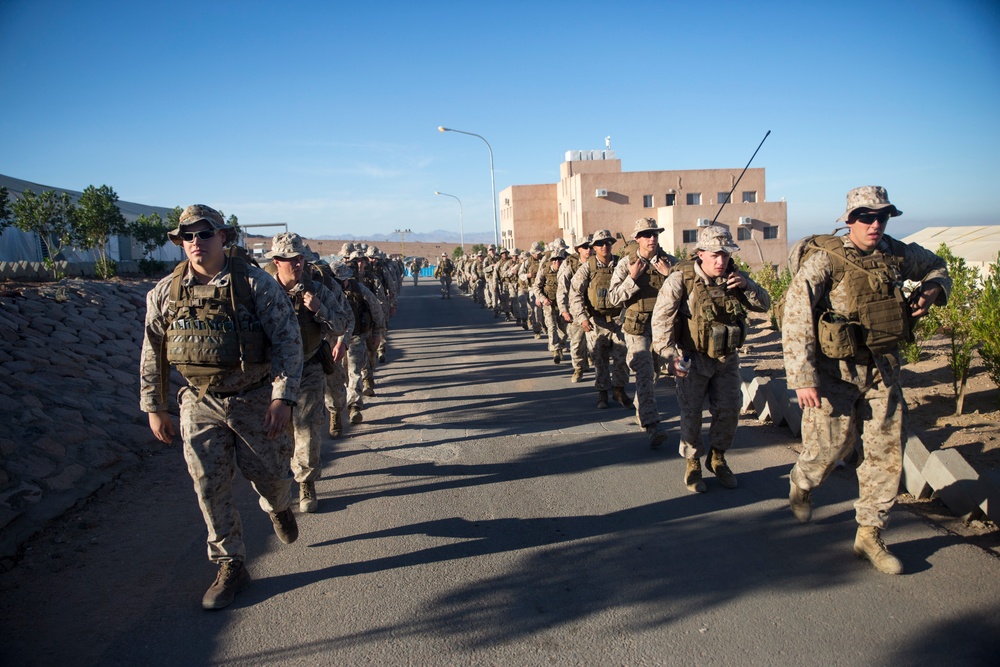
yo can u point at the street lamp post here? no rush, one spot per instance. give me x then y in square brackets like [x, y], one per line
[493, 185]
[461, 216]
[402, 240]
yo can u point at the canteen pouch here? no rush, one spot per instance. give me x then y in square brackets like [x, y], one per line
[636, 322]
[836, 336]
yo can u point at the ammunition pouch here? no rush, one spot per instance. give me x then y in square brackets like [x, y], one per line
[636, 322]
[836, 336]
[886, 322]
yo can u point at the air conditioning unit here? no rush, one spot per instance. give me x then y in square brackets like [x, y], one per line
[601, 192]
[746, 221]
[704, 222]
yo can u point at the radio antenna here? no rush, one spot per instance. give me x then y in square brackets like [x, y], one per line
[730, 197]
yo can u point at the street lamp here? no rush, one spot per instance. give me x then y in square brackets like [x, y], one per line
[493, 185]
[461, 216]
[402, 239]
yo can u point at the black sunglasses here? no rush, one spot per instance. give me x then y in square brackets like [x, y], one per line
[646, 235]
[869, 218]
[597, 244]
[203, 234]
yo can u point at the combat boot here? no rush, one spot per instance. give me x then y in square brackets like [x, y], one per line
[868, 544]
[716, 463]
[524, 324]
[557, 357]
[602, 398]
[692, 476]
[307, 497]
[285, 526]
[623, 398]
[369, 389]
[356, 416]
[232, 578]
[381, 357]
[577, 375]
[657, 434]
[801, 503]
[335, 426]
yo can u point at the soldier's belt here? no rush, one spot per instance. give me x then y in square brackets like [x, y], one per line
[229, 394]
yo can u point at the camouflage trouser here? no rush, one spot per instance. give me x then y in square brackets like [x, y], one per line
[556, 326]
[640, 360]
[479, 292]
[725, 400]
[521, 305]
[577, 344]
[608, 350]
[307, 421]
[371, 349]
[492, 301]
[383, 344]
[357, 364]
[535, 316]
[220, 434]
[336, 387]
[445, 287]
[880, 416]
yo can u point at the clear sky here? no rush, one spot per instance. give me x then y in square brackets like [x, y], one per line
[324, 114]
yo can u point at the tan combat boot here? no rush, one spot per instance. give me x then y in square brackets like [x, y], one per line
[602, 398]
[356, 416]
[335, 426]
[623, 398]
[716, 463]
[307, 497]
[232, 578]
[692, 476]
[801, 503]
[577, 375]
[868, 544]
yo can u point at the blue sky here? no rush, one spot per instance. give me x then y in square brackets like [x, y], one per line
[324, 114]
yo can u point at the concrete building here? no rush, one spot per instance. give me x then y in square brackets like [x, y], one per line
[978, 245]
[594, 193]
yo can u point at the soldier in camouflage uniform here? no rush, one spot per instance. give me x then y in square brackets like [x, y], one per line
[218, 319]
[504, 284]
[526, 278]
[591, 307]
[700, 318]
[415, 267]
[577, 337]
[362, 272]
[634, 286]
[843, 319]
[443, 272]
[321, 317]
[383, 270]
[544, 290]
[490, 263]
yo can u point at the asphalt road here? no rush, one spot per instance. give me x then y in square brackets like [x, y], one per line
[485, 513]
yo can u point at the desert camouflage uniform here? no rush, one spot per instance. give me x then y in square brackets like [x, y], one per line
[443, 273]
[576, 336]
[526, 277]
[546, 287]
[640, 357]
[607, 347]
[717, 379]
[858, 396]
[224, 429]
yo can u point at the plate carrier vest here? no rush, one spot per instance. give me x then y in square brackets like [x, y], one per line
[716, 321]
[639, 306]
[598, 302]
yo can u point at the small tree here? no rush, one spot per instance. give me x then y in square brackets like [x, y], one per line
[49, 215]
[5, 211]
[477, 247]
[97, 219]
[774, 283]
[955, 321]
[174, 217]
[987, 322]
[457, 253]
[149, 231]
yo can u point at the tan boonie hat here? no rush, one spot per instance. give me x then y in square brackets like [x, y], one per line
[341, 271]
[602, 235]
[537, 246]
[716, 238]
[197, 213]
[558, 253]
[872, 197]
[645, 225]
[287, 245]
[357, 254]
[558, 242]
[583, 242]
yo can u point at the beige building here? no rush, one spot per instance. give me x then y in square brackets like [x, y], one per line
[594, 193]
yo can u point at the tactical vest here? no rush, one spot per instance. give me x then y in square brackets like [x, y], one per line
[549, 284]
[532, 268]
[574, 263]
[877, 316]
[639, 306]
[309, 328]
[359, 307]
[598, 301]
[206, 338]
[715, 323]
[445, 268]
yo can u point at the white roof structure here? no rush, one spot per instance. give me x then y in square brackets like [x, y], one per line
[16, 245]
[977, 245]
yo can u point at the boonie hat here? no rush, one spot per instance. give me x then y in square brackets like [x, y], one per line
[341, 271]
[558, 253]
[537, 246]
[602, 235]
[197, 213]
[583, 242]
[873, 197]
[716, 238]
[287, 245]
[558, 242]
[645, 225]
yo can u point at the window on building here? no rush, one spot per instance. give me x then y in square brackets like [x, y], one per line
[770, 232]
[670, 200]
[723, 198]
[750, 197]
[647, 201]
[694, 198]
[690, 236]
[742, 234]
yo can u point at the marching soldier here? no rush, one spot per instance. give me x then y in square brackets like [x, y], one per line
[544, 290]
[577, 336]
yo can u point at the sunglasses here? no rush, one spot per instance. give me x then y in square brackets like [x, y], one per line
[598, 244]
[203, 234]
[645, 235]
[869, 218]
